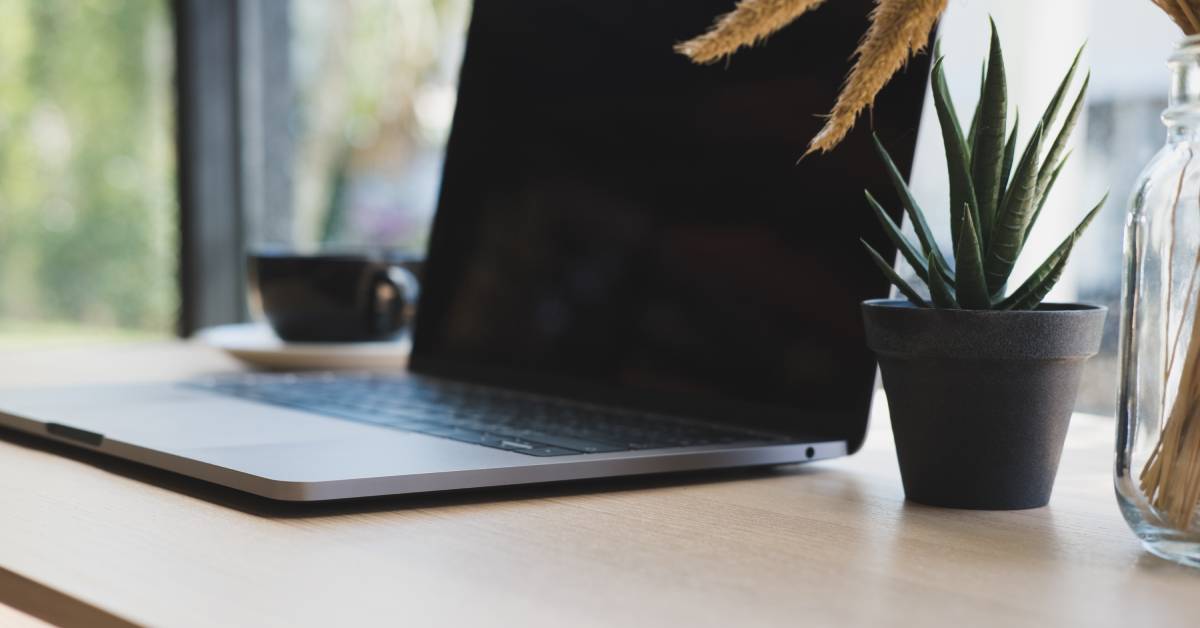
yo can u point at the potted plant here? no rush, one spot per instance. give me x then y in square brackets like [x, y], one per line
[981, 379]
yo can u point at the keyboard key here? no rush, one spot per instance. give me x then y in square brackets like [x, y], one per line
[549, 451]
[523, 446]
[576, 444]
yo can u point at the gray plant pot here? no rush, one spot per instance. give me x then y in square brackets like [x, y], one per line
[980, 401]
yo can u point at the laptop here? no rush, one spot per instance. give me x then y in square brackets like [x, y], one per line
[628, 273]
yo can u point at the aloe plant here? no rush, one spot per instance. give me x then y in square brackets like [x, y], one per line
[995, 198]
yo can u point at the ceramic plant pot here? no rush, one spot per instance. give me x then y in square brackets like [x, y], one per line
[980, 400]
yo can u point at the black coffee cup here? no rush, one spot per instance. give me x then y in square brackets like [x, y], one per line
[334, 297]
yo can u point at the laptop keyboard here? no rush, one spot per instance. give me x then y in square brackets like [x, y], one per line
[503, 419]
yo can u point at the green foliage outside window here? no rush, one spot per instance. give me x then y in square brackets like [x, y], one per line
[88, 210]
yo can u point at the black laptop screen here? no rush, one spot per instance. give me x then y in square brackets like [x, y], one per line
[619, 224]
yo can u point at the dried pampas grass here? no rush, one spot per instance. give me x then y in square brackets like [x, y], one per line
[1185, 13]
[751, 22]
[899, 29]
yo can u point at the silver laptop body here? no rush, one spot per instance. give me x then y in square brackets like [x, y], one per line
[289, 454]
[624, 277]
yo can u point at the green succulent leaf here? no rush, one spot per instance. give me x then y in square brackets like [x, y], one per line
[971, 286]
[946, 273]
[906, 248]
[962, 191]
[915, 214]
[973, 133]
[1031, 294]
[1052, 163]
[940, 290]
[1010, 152]
[1060, 93]
[987, 147]
[1008, 235]
[1044, 194]
[1039, 284]
[894, 277]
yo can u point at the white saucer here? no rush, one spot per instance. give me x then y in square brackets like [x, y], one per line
[257, 345]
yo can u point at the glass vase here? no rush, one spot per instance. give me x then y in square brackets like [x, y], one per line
[1157, 472]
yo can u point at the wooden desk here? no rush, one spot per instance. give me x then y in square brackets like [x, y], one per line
[89, 541]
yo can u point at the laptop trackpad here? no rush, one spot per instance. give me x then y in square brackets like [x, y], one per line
[392, 454]
[250, 437]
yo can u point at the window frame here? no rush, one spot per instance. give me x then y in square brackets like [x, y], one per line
[233, 93]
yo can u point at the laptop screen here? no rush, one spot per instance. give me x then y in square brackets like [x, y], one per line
[619, 225]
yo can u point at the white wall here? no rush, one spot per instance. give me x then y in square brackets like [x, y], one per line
[1128, 43]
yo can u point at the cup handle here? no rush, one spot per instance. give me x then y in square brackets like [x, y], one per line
[393, 298]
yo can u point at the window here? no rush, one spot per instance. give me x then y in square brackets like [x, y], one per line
[302, 123]
[88, 212]
[1128, 43]
[372, 90]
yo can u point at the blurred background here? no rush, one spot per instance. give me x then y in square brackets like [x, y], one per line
[343, 109]
[327, 122]
[87, 169]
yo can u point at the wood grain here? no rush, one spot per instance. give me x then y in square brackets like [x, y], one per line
[831, 543]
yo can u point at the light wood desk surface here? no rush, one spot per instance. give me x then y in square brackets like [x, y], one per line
[89, 541]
